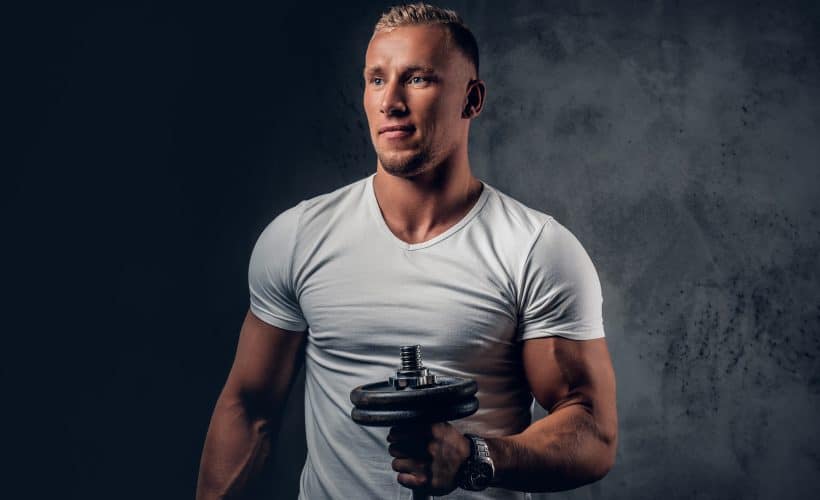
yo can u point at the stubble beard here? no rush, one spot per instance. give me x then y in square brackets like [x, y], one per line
[405, 165]
[409, 163]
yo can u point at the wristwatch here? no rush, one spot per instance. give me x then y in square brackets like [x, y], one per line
[476, 473]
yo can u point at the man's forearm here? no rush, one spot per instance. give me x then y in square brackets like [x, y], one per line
[236, 448]
[563, 450]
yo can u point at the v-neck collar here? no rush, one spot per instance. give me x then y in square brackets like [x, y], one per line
[374, 206]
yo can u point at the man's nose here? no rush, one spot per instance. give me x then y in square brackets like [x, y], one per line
[393, 98]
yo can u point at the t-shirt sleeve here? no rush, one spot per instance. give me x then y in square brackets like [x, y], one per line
[560, 294]
[270, 274]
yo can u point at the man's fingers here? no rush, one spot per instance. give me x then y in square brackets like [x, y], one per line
[396, 451]
[407, 432]
[404, 449]
[410, 466]
[412, 473]
[411, 480]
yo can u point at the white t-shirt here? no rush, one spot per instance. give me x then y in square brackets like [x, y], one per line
[469, 296]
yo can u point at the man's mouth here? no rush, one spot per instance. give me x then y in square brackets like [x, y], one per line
[396, 131]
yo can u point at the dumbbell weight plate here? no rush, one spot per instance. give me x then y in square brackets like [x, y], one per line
[383, 396]
[440, 413]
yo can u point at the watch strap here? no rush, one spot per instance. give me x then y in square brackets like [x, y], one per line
[478, 470]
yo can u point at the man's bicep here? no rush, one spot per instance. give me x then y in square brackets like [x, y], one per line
[561, 372]
[267, 360]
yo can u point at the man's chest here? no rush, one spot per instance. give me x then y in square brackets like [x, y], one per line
[370, 301]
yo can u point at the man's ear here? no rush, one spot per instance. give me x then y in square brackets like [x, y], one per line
[474, 102]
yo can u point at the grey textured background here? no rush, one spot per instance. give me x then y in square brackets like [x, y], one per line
[152, 141]
[679, 142]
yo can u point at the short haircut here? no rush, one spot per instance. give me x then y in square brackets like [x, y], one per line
[421, 13]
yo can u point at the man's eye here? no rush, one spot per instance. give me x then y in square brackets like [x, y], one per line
[376, 80]
[416, 80]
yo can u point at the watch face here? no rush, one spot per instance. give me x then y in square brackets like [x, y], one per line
[480, 474]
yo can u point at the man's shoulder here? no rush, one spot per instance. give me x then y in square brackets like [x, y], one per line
[321, 207]
[511, 215]
[328, 201]
[540, 231]
[316, 211]
[355, 188]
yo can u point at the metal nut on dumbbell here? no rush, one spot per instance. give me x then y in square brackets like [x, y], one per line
[412, 372]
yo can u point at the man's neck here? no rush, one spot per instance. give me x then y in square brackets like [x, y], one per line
[420, 208]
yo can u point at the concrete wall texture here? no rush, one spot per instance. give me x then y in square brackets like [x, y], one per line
[679, 141]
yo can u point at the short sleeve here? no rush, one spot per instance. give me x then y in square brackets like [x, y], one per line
[270, 278]
[559, 292]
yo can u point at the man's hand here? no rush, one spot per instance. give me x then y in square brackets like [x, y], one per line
[428, 457]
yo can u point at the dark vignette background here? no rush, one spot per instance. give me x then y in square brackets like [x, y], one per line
[151, 142]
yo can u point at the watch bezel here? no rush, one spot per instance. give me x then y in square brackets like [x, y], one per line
[478, 471]
[480, 475]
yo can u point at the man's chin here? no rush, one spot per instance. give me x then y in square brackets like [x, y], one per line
[403, 165]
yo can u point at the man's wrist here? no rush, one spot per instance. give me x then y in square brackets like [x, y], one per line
[478, 471]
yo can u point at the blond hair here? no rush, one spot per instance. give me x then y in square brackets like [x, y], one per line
[421, 14]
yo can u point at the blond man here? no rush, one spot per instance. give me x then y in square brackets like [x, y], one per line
[420, 252]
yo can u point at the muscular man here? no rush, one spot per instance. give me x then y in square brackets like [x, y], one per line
[420, 252]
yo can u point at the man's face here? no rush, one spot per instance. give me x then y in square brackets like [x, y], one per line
[416, 79]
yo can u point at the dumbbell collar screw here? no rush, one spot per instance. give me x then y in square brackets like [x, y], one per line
[412, 372]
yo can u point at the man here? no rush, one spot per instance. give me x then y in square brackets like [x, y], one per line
[421, 252]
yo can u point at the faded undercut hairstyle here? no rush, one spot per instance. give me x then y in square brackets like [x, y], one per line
[422, 13]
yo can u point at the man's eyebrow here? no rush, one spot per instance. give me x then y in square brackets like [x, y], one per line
[369, 70]
[420, 69]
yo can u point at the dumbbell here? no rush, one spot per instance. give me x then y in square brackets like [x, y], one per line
[412, 396]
